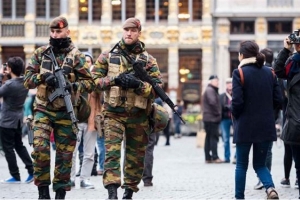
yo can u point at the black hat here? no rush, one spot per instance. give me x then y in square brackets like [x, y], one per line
[213, 77]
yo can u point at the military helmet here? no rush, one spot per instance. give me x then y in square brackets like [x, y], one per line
[160, 118]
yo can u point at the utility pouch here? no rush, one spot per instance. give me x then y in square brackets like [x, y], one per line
[42, 92]
[140, 102]
[114, 96]
[129, 103]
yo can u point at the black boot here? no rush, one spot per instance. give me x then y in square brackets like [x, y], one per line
[94, 170]
[128, 194]
[112, 191]
[80, 155]
[44, 192]
[60, 194]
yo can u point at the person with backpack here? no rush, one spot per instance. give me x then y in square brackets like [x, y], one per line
[253, 116]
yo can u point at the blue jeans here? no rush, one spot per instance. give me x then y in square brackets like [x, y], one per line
[225, 127]
[101, 147]
[259, 164]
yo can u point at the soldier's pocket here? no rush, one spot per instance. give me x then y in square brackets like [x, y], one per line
[113, 129]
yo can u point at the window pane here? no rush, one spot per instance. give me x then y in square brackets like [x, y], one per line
[54, 8]
[116, 12]
[279, 27]
[41, 8]
[97, 9]
[150, 10]
[83, 9]
[20, 8]
[6, 6]
[183, 6]
[280, 3]
[197, 9]
[190, 64]
[242, 27]
[163, 9]
[130, 8]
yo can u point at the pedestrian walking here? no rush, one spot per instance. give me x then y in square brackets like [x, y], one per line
[53, 115]
[87, 136]
[14, 94]
[177, 120]
[211, 108]
[286, 66]
[254, 88]
[268, 53]
[126, 109]
[226, 123]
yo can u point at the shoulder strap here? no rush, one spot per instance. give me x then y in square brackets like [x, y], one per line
[241, 75]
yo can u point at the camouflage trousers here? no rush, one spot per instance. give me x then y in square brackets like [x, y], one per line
[135, 129]
[65, 139]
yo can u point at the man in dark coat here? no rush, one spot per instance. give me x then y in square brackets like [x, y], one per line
[14, 94]
[211, 109]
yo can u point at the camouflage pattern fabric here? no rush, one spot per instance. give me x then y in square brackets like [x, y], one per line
[48, 118]
[65, 140]
[118, 121]
[136, 128]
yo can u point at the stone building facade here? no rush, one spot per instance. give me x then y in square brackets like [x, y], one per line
[191, 39]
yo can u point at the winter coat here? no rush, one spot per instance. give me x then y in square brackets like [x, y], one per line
[211, 106]
[253, 103]
[291, 129]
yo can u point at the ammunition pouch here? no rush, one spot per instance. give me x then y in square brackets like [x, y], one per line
[124, 98]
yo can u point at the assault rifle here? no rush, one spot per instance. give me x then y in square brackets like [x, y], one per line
[30, 131]
[60, 86]
[141, 73]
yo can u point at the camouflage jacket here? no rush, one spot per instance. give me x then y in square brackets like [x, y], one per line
[82, 75]
[104, 82]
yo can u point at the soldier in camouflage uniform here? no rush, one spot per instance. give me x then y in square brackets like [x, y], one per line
[126, 109]
[50, 116]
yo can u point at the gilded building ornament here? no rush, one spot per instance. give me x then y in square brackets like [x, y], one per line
[172, 35]
[106, 35]
[206, 34]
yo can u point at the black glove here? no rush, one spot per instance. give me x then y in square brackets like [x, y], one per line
[129, 81]
[69, 87]
[50, 79]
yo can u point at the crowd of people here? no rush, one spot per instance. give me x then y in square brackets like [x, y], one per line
[92, 107]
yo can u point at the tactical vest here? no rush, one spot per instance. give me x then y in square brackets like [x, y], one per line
[116, 96]
[43, 91]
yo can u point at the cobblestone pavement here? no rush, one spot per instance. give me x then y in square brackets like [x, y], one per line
[179, 173]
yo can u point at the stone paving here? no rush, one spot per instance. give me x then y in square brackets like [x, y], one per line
[179, 173]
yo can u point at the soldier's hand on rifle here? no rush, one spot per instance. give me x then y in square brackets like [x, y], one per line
[130, 81]
[50, 79]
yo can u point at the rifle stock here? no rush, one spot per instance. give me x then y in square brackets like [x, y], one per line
[60, 88]
[141, 73]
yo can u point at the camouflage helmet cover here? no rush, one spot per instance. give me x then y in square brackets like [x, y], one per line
[160, 118]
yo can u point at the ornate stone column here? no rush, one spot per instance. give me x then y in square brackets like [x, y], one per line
[140, 10]
[30, 20]
[106, 17]
[208, 67]
[261, 32]
[222, 53]
[64, 7]
[173, 12]
[28, 50]
[173, 68]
